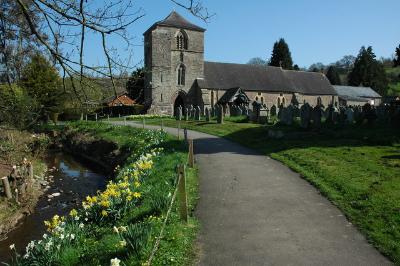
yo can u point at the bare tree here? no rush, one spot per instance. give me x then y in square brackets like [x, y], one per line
[61, 27]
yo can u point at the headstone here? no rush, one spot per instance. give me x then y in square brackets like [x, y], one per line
[186, 114]
[273, 110]
[317, 113]
[349, 115]
[207, 114]
[197, 116]
[245, 111]
[263, 116]
[305, 115]
[179, 113]
[220, 114]
[212, 111]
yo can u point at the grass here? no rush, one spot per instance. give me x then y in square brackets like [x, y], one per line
[98, 243]
[357, 167]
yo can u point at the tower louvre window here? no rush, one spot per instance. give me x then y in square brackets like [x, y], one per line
[181, 41]
[181, 75]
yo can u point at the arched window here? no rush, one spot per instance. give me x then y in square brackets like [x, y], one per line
[181, 75]
[181, 41]
[262, 100]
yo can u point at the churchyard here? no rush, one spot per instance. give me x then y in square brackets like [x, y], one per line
[350, 154]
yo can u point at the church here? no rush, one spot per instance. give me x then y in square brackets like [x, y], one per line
[177, 75]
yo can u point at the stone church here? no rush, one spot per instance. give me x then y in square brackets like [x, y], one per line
[177, 75]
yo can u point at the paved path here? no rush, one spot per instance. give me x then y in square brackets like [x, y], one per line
[256, 211]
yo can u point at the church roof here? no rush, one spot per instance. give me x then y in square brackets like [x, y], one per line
[263, 78]
[356, 92]
[175, 20]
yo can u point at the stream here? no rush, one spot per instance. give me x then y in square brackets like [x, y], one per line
[73, 180]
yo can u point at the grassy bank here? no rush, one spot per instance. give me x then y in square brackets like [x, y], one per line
[356, 167]
[122, 223]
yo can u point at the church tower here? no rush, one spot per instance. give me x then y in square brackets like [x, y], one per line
[173, 60]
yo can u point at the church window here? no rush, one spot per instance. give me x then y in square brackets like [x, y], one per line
[181, 57]
[279, 101]
[256, 98]
[161, 98]
[181, 41]
[181, 75]
[161, 77]
[259, 93]
[262, 100]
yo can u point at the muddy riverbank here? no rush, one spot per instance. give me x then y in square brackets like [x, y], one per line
[71, 180]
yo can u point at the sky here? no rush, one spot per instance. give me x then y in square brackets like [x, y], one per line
[316, 31]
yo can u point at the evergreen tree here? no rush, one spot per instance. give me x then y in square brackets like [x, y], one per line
[281, 55]
[369, 72]
[396, 60]
[296, 67]
[135, 85]
[333, 75]
[42, 82]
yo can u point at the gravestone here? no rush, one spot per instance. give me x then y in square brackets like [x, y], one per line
[317, 114]
[349, 115]
[186, 114]
[273, 110]
[220, 114]
[179, 113]
[245, 111]
[305, 115]
[207, 115]
[197, 116]
[263, 116]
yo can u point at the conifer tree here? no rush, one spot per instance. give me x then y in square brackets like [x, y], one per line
[281, 55]
[333, 75]
[368, 72]
[396, 61]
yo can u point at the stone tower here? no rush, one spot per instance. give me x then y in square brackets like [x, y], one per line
[173, 59]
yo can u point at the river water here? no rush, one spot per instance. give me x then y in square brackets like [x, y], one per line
[74, 180]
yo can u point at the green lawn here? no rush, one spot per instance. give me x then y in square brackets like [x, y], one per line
[357, 168]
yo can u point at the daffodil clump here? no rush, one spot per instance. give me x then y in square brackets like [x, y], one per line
[103, 209]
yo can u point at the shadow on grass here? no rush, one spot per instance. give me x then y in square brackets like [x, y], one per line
[331, 136]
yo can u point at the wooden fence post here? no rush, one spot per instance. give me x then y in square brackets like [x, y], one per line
[185, 135]
[179, 129]
[124, 121]
[191, 155]
[183, 209]
[6, 186]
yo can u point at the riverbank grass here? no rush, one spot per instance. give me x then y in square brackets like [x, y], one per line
[122, 223]
[356, 167]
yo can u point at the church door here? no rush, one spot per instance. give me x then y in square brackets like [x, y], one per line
[179, 102]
